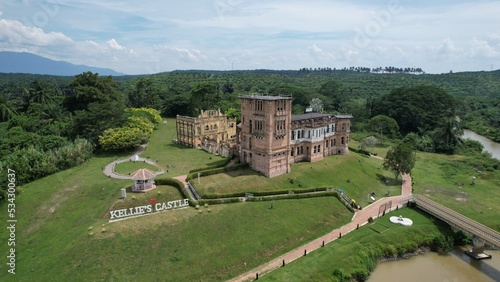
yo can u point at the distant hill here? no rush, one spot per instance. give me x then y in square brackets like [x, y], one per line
[13, 62]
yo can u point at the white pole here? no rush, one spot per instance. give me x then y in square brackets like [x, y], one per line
[198, 178]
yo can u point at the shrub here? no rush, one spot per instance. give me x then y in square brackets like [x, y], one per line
[177, 184]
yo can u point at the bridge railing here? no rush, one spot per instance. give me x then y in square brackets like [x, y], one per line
[458, 220]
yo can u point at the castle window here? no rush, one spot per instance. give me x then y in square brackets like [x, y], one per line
[250, 125]
[293, 135]
[342, 141]
[334, 142]
[206, 127]
[319, 148]
[291, 152]
[314, 150]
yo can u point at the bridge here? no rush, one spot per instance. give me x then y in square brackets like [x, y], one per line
[481, 234]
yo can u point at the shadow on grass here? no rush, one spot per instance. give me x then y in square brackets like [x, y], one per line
[179, 146]
[388, 181]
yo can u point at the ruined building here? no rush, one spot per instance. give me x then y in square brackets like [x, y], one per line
[211, 131]
[271, 138]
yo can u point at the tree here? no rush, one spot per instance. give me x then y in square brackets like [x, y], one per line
[205, 96]
[41, 92]
[92, 122]
[383, 124]
[6, 111]
[89, 88]
[316, 105]
[400, 159]
[145, 94]
[368, 142]
[122, 138]
[447, 135]
[416, 109]
[177, 105]
[336, 93]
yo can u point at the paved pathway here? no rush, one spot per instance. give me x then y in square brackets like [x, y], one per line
[360, 218]
[109, 170]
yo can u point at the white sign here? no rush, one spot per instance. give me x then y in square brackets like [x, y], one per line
[140, 210]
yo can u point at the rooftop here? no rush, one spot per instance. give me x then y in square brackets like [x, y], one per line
[317, 115]
[142, 174]
[266, 97]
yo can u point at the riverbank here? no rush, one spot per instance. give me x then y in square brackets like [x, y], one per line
[488, 145]
[355, 255]
[421, 250]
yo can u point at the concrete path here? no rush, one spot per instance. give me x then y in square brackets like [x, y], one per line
[360, 218]
[109, 170]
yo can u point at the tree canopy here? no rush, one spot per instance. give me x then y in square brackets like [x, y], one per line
[417, 109]
[400, 159]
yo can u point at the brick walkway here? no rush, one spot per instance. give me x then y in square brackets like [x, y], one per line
[360, 218]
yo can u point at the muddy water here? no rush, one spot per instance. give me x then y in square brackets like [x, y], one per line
[489, 146]
[429, 267]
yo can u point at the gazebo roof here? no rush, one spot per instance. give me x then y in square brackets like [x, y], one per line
[142, 174]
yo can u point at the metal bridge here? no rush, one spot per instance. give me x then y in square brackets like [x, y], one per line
[481, 234]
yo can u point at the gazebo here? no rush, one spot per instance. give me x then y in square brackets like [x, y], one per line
[143, 180]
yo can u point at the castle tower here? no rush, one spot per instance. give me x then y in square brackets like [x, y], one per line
[265, 133]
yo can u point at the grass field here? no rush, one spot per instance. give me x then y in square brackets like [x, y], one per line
[357, 174]
[128, 167]
[57, 213]
[177, 159]
[347, 253]
[446, 180]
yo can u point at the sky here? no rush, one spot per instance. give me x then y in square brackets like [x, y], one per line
[151, 36]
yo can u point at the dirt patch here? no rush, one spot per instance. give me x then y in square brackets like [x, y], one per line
[455, 194]
[48, 208]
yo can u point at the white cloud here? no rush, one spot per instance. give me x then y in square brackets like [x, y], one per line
[320, 55]
[447, 47]
[483, 48]
[16, 35]
[114, 45]
[167, 35]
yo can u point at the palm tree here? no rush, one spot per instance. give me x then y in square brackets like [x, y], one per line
[40, 92]
[448, 134]
[6, 111]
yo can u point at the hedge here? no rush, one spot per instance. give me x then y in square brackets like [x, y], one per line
[178, 185]
[364, 152]
[260, 193]
[218, 201]
[228, 159]
[292, 196]
[212, 171]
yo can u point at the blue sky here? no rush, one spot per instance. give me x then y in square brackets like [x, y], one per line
[150, 36]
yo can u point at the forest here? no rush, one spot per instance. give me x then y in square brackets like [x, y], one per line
[51, 123]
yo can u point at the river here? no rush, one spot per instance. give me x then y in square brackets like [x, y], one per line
[453, 267]
[489, 146]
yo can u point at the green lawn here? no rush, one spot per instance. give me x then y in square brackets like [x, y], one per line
[446, 180]
[357, 174]
[56, 214]
[128, 167]
[349, 252]
[177, 159]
